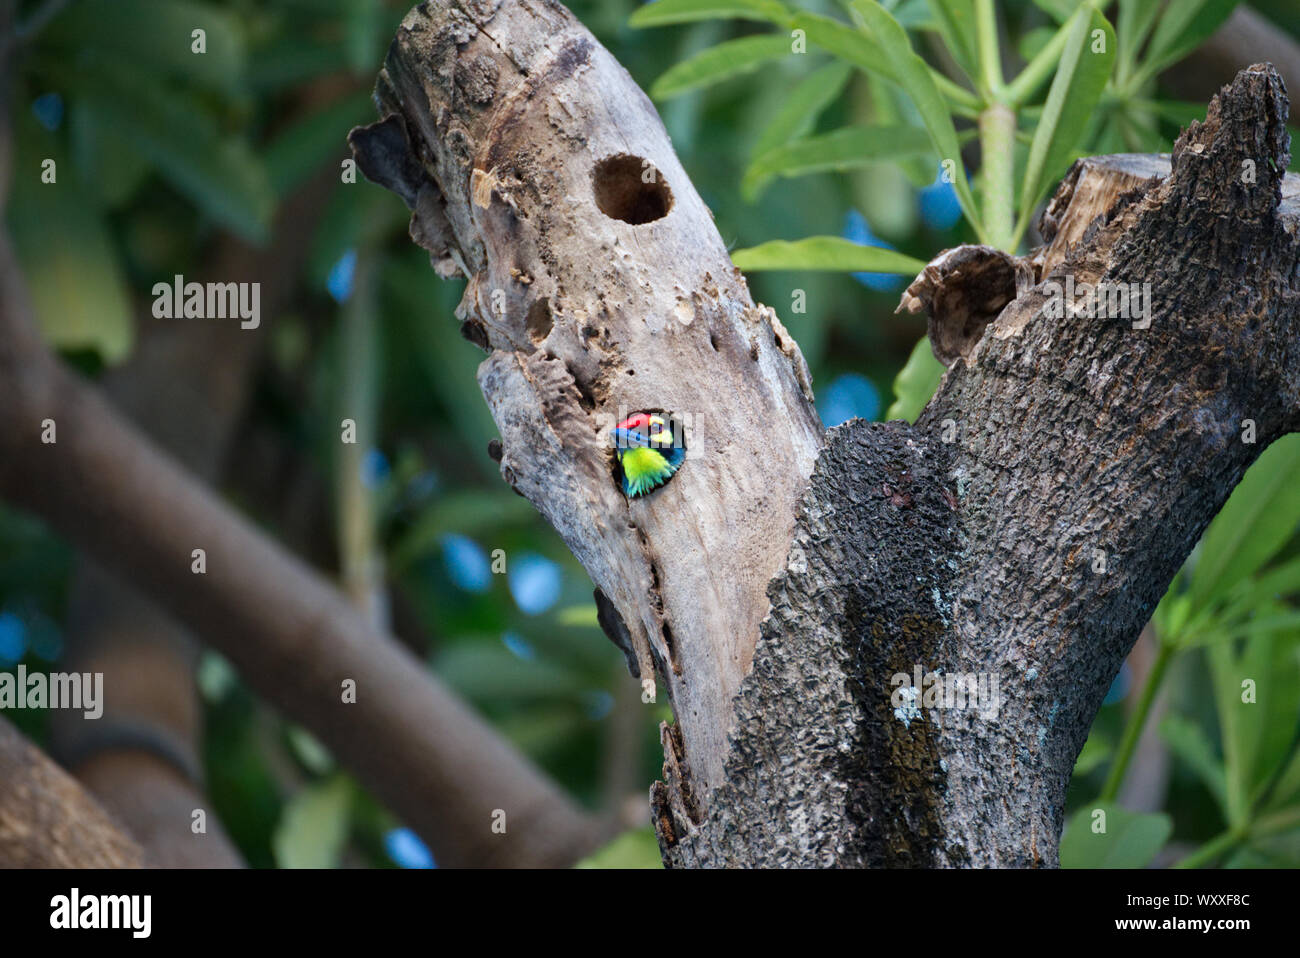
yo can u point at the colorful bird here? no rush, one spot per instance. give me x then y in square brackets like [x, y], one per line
[651, 447]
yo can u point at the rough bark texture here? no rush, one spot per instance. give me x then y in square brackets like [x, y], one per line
[1022, 530]
[600, 287]
[47, 820]
[1025, 527]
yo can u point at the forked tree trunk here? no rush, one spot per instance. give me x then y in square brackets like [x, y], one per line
[1022, 531]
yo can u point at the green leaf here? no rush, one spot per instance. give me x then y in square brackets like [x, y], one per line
[217, 172]
[106, 162]
[956, 20]
[1131, 840]
[1288, 784]
[314, 826]
[915, 382]
[301, 149]
[1277, 583]
[579, 617]
[841, 40]
[365, 29]
[1096, 751]
[845, 149]
[73, 276]
[1181, 112]
[469, 512]
[1192, 746]
[913, 75]
[484, 672]
[1080, 79]
[1132, 26]
[730, 59]
[1184, 25]
[633, 849]
[292, 60]
[544, 733]
[154, 36]
[685, 11]
[800, 110]
[1058, 10]
[1256, 521]
[827, 254]
[1034, 42]
[1272, 660]
[309, 750]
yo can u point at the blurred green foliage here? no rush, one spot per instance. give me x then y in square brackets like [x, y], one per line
[161, 152]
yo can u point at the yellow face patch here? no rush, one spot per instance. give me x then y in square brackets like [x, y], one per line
[659, 431]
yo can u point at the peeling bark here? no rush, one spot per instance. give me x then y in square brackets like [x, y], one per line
[600, 287]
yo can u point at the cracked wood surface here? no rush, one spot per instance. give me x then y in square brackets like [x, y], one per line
[600, 287]
[1067, 438]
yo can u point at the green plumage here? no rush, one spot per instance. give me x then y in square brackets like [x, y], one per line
[645, 469]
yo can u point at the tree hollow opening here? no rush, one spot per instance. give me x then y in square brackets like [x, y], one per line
[631, 189]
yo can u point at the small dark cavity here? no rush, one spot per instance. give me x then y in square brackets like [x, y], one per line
[671, 645]
[586, 397]
[539, 320]
[623, 193]
[476, 333]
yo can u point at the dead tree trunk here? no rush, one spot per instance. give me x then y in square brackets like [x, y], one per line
[600, 287]
[1022, 530]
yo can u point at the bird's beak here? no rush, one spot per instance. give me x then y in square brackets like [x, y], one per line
[627, 438]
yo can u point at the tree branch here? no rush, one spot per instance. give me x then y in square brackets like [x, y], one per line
[294, 639]
[47, 820]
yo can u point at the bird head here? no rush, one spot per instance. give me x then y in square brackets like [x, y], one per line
[644, 430]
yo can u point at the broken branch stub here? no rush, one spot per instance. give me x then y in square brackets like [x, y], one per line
[599, 286]
[1017, 538]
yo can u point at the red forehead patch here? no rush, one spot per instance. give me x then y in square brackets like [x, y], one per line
[638, 421]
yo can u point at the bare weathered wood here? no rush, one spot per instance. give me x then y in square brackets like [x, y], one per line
[600, 287]
[47, 820]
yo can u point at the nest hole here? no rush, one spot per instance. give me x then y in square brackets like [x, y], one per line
[631, 189]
